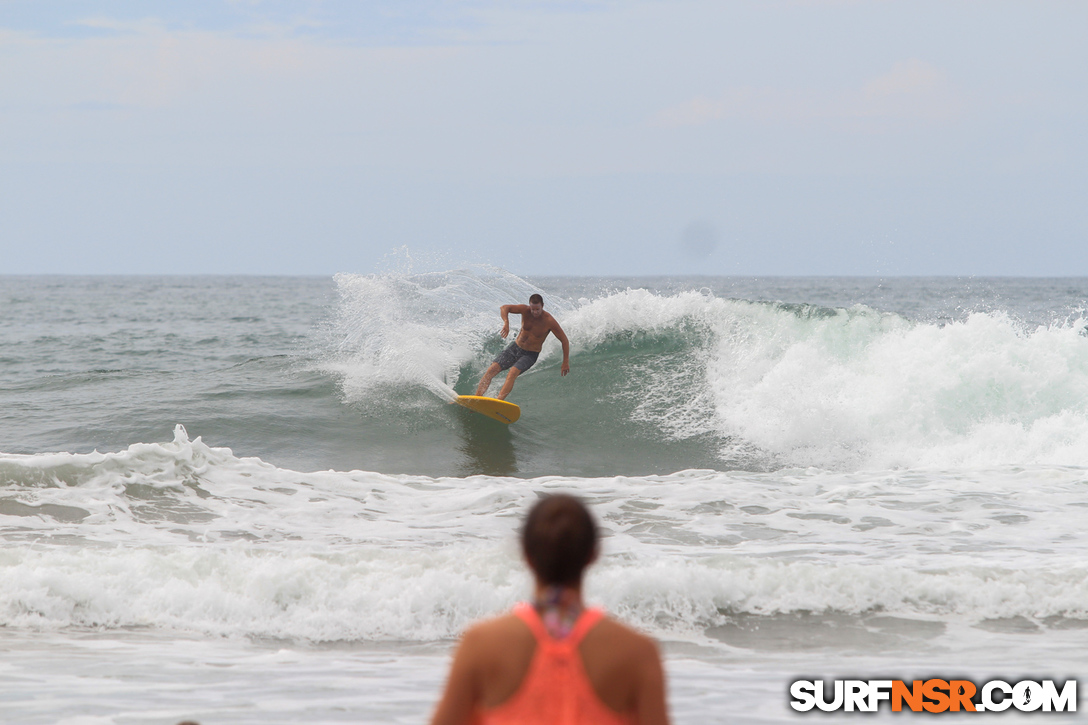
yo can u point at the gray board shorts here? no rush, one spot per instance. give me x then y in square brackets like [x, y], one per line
[514, 355]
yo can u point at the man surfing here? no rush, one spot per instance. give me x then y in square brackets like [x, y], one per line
[520, 355]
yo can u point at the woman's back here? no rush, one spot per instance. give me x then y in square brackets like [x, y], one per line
[612, 666]
[579, 668]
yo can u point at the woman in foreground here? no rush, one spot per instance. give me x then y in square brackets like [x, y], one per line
[554, 661]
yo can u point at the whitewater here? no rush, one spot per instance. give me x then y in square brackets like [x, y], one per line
[249, 500]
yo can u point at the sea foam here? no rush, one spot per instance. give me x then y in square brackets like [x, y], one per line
[850, 388]
[184, 537]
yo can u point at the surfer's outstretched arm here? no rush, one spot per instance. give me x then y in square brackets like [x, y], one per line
[562, 337]
[504, 313]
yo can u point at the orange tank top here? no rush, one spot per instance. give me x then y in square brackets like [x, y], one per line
[556, 689]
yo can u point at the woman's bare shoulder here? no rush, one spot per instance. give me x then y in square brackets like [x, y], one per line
[497, 629]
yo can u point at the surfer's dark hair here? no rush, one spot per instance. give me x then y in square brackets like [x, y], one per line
[559, 538]
[535, 298]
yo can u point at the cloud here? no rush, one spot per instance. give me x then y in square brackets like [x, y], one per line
[142, 64]
[912, 90]
[97, 106]
[743, 102]
[137, 27]
[908, 77]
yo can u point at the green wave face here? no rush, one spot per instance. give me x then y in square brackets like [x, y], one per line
[662, 382]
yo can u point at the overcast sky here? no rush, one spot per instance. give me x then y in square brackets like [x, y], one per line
[789, 137]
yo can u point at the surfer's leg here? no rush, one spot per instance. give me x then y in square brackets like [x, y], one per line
[509, 384]
[485, 381]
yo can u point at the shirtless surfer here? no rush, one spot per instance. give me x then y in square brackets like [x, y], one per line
[523, 352]
[553, 660]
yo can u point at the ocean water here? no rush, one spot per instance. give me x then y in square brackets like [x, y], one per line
[244, 500]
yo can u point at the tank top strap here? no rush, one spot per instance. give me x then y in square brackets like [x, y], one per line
[586, 622]
[527, 613]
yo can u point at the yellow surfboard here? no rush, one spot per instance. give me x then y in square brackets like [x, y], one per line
[500, 410]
